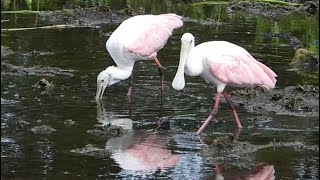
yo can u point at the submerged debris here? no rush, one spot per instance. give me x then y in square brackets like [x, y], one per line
[107, 131]
[5, 51]
[227, 148]
[69, 122]
[42, 130]
[207, 21]
[229, 145]
[92, 151]
[21, 123]
[10, 69]
[308, 88]
[10, 148]
[44, 85]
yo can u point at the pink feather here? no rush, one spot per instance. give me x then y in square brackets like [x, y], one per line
[243, 70]
[157, 29]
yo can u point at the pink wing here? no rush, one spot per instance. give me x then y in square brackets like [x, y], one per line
[154, 34]
[239, 68]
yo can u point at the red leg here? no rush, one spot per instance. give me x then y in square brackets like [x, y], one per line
[213, 112]
[158, 63]
[218, 171]
[231, 105]
[160, 67]
[130, 85]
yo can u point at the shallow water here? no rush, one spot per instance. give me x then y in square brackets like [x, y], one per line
[27, 155]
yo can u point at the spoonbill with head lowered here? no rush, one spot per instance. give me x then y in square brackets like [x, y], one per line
[221, 63]
[137, 38]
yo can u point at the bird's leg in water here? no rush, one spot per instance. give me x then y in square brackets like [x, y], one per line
[161, 121]
[236, 134]
[231, 105]
[130, 88]
[213, 112]
[216, 168]
[160, 67]
[130, 85]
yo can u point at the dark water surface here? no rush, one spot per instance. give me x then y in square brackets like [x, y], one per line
[176, 150]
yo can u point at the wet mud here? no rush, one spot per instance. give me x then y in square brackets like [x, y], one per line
[274, 11]
[229, 146]
[5, 51]
[271, 9]
[91, 150]
[42, 130]
[227, 149]
[89, 16]
[16, 70]
[107, 131]
[44, 85]
[300, 100]
[100, 16]
[10, 69]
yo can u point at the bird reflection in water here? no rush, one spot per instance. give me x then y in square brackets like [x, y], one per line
[261, 172]
[107, 119]
[141, 152]
[134, 150]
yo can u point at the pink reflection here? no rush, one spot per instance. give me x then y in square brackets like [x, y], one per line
[144, 154]
[261, 172]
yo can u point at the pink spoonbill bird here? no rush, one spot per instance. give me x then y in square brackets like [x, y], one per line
[137, 38]
[221, 63]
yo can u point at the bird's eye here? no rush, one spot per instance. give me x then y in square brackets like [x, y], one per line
[102, 81]
[191, 41]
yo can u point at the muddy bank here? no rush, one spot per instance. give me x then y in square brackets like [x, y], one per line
[15, 70]
[104, 15]
[10, 69]
[5, 51]
[91, 150]
[90, 16]
[271, 9]
[96, 16]
[227, 149]
[107, 131]
[292, 100]
[274, 11]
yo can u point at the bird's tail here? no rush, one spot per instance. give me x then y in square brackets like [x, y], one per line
[174, 21]
[271, 83]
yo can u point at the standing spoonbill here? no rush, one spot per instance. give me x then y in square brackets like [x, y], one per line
[221, 63]
[137, 38]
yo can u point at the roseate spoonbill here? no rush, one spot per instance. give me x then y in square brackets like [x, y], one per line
[137, 38]
[221, 63]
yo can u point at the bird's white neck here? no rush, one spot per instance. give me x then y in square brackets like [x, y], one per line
[122, 73]
[113, 74]
[178, 82]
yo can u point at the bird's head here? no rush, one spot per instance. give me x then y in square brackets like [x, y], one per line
[187, 38]
[104, 79]
[187, 43]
